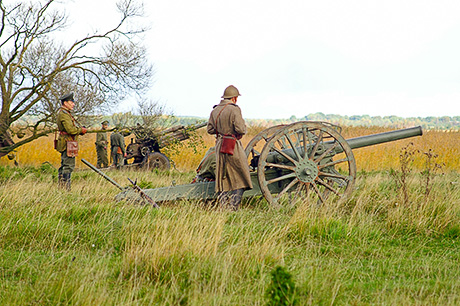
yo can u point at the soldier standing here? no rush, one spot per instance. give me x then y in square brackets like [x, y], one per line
[101, 146]
[232, 170]
[117, 144]
[67, 143]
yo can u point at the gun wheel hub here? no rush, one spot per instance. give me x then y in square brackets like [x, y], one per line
[306, 171]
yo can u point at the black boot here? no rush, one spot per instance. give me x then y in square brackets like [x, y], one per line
[67, 181]
[61, 182]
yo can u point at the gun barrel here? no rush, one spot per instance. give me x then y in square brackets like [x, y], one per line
[176, 128]
[356, 143]
[199, 125]
[101, 173]
[370, 140]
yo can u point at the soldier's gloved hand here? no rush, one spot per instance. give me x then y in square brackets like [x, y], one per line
[83, 131]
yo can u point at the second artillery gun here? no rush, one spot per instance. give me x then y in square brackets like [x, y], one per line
[302, 159]
[145, 148]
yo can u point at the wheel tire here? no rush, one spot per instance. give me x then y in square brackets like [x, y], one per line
[157, 160]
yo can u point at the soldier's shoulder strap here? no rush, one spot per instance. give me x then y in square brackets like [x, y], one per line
[218, 115]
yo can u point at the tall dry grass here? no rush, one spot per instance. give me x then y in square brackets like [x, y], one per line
[446, 144]
[82, 248]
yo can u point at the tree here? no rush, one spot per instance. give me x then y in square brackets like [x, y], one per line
[102, 68]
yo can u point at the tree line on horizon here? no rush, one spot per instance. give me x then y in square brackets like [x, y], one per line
[431, 122]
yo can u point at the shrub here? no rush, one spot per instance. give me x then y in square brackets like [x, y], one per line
[281, 290]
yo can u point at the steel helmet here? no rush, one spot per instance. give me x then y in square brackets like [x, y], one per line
[230, 92]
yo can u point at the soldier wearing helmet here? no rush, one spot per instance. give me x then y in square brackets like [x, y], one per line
[232, 170]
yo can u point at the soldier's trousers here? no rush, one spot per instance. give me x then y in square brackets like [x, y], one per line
[231, 199]
[67, 164]
[65, 171]
[102, 160]
[118, 160]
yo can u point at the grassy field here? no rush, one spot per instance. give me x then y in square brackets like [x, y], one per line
[81, 248]
[386, 245]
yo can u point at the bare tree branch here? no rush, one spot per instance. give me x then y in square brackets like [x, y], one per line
[35, 69]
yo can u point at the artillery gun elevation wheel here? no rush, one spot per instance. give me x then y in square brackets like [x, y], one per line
[306, 157]
[157, 160]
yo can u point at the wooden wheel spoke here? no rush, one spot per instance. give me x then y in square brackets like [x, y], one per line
[283, 177]
[294, 148]
[286, 189]
[282, 143]
[320, 138]
[330, 149]
[285, 155]
[318, 193]
[339, 176]
[339, 161]
[281, 166]
[304, 136]
[299, 189]
[328, 186]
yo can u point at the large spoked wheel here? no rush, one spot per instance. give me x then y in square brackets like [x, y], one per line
[306, 157]
[157, 160]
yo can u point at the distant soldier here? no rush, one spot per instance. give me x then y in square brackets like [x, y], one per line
[101, 146]
[67, 144]
[232, 170]
[206, 171]
[117, 144]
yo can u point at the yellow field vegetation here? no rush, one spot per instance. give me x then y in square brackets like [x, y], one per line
[446, 144]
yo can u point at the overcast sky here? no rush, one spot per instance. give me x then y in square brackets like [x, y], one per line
[297, 57]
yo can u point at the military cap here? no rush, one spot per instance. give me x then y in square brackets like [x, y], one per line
[105, 122]
[67, 97]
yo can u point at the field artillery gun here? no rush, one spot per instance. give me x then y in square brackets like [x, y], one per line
[145, 148]
[299, 159]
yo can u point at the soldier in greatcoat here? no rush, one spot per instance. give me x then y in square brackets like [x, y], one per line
[101, 146]
[117, 147]
[69, 129]
[232, 170]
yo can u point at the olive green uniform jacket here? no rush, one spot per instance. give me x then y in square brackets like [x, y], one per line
[232, 171]
[207, 167]
[67, 128]
[117, 141]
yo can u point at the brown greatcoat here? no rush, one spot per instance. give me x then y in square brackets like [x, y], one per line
[232, 171]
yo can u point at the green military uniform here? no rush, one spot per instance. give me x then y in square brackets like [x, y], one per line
[117, 147]
[101, 148]
[68, 131]
[206, 170]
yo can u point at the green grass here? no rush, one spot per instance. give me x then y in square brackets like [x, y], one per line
[82, 248]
